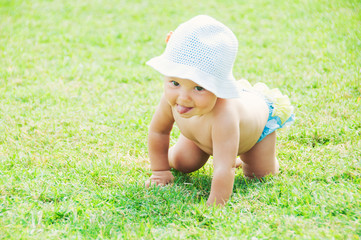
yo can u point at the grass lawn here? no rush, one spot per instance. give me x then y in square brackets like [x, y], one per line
[76, 99]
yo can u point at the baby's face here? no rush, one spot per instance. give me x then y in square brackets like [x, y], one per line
[188, 98]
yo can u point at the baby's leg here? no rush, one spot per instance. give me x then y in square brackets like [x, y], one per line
[261, 159]
[185, 156]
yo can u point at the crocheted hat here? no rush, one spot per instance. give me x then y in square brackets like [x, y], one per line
[202, 50]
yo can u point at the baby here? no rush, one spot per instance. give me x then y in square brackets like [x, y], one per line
[215, 114]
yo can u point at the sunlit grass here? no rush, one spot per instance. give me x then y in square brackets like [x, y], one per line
[76, 99]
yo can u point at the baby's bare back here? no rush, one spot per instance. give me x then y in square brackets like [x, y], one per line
[250, 112]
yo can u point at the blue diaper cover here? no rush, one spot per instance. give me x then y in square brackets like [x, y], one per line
[274, 122]
[279, 105]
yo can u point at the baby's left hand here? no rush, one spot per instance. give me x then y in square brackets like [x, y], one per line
[160, 178]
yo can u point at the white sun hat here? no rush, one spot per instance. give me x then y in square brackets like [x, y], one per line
[202, 50]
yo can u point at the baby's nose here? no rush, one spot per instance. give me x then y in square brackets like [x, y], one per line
[184, 96]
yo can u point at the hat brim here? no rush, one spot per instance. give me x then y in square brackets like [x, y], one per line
[227, 89]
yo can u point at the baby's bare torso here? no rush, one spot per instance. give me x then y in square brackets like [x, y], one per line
[250, 111]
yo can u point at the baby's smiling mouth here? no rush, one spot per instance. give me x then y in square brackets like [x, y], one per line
[182, 109]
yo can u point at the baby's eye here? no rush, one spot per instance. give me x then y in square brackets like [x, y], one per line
[198, 88]
[174, 83]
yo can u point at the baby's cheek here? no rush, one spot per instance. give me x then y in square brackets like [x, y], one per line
[208, 103]
[170, 97]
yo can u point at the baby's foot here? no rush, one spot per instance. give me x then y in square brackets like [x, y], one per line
[238, 163]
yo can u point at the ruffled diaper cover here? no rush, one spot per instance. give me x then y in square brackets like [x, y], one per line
[280, 108]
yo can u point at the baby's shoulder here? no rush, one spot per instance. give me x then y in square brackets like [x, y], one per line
[247, 101]
[249, 107]
[229, 112]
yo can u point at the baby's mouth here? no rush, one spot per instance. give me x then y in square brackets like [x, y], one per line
[182, 109]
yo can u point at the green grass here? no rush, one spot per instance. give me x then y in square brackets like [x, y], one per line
[76, 100]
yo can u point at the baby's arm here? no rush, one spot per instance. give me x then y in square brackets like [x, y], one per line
[158, 144]
[225, 136]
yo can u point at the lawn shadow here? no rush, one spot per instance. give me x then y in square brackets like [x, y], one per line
[198, 183]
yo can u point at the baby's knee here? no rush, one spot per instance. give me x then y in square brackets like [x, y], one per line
[178, 164]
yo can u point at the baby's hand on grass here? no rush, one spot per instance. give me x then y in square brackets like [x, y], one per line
[160, 178]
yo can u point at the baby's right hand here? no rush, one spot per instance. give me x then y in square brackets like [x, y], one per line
[160, 178]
